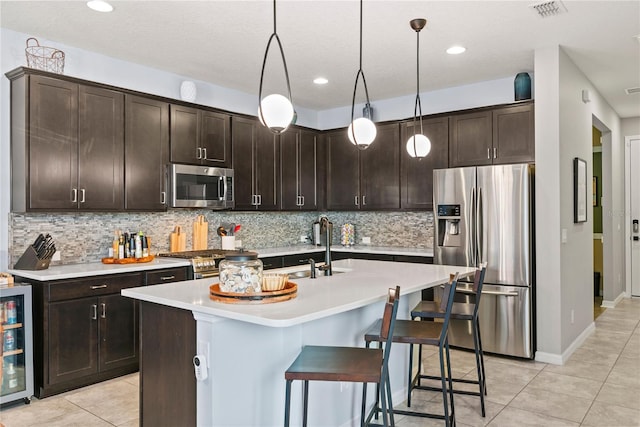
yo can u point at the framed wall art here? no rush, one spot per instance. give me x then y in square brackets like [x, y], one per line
[579, 190]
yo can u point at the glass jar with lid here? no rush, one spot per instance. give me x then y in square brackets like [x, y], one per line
[241, 272]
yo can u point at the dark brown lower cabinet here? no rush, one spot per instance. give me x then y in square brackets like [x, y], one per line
[167, 380]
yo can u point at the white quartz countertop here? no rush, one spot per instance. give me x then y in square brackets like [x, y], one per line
[359, 283]
[367, 249]
[70, 271]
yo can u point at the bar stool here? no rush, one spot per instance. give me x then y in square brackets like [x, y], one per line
[349, 364]
[426, 333]
[461, 311]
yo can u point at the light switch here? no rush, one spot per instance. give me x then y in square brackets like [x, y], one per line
[564, 235]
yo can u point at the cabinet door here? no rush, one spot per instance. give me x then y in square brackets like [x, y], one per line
[101, 149]
[73, 339]
[380, 170]
[343, 172]
[416, 177]
[118, 332]
[243, 137]
[53, 144]
[290, 169]
[185, 123]
[308, 167]
[470, 142]
[215, 139]
[146, 153]
[513, 134]
[266, 167]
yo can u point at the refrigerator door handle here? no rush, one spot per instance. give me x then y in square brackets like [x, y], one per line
[473, 213]
[479, 225]
[504, 294]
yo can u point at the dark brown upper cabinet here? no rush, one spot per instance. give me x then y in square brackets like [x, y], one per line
[416, 175]
[146, 153]
[67, 145]
[501, 135]
[256, 165]
[298, 169]
[364, 179]
[200, 137]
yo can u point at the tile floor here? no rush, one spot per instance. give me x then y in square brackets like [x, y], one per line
[598, 386]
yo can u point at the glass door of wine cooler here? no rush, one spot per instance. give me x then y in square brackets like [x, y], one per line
[17, 348]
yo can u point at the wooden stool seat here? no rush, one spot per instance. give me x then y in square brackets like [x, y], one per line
[459, 310]
[351, 364]
[409, 332]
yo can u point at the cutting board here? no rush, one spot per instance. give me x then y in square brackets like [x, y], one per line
[200, 231]
[177, 240]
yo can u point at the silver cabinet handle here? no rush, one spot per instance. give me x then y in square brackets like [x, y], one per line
[74, 195]
[104, 311]
[94, 311]
[98, 287]
[301, 200]
[199, 153]
[489, 153]
[364, 200]
[204, 153]
[163, 197]
[167, 277]
[355, 200]
[82, 195]
[495, 152]
[259, 199]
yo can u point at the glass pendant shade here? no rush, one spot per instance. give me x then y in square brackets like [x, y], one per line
[418, 145]
[277, 112]
[364, 131]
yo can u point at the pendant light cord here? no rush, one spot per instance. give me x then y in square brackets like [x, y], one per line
[418, 105]
[355, 87]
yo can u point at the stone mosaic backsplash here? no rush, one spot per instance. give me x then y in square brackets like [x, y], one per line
[87, 237]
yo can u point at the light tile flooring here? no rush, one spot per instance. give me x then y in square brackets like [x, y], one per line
[598, 386]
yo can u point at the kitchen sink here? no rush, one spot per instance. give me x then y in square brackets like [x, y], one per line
[299, 274]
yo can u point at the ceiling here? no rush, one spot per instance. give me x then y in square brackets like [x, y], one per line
[223, 42]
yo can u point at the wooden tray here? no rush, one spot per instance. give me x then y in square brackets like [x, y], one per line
[290, 291]
[127, 260]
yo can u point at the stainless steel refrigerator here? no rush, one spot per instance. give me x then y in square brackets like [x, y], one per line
[485, 214]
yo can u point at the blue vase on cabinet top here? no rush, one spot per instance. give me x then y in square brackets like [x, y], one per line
[522, 86]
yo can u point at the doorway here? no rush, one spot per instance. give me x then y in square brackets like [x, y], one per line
[632, 150]
[598, 259]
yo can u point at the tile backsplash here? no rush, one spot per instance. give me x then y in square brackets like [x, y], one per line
[87, 237]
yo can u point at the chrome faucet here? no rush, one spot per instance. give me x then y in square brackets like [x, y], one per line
[326, 228]
[312, 263]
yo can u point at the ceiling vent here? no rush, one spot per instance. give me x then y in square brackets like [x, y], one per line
[549, 8]
[632, 90]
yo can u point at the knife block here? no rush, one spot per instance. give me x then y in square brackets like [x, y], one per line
[30, 261]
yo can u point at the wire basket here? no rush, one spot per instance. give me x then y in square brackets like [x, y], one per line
[43, 57]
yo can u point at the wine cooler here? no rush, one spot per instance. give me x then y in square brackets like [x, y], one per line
[17, 347]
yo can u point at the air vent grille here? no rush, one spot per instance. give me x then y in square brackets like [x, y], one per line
[632, 90]
[549, 8]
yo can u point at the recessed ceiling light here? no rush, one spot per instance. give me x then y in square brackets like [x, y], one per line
[456, 50]
[320, 81]
[99, 6]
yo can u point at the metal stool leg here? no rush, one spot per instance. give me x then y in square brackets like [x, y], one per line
[476, 344]
[450, 378]
[363, 414]
[484, 383]
[306, 402]
[444, 387]
[410, 377]
[287, 403]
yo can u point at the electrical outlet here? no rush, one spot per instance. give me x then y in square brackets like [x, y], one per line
[303, 239]
[366, 240]
[56, 256]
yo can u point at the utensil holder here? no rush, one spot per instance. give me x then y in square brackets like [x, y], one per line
[30, 261]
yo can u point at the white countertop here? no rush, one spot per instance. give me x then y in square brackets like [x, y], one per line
[368, 249]
[361, 283]
[70, 271]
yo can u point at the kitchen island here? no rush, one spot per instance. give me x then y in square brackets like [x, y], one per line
[248, 347]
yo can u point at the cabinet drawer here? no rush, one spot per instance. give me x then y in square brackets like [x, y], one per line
[271, 262]
[298, 259]
[93, 286]
[166, 275]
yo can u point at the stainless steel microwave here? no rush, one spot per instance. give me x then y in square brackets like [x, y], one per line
[200, 187]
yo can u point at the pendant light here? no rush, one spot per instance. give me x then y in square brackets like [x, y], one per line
[362, 131]
[275, 111]
[418, 144]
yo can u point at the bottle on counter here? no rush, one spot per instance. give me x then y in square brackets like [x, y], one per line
[121, 247]
[145, 245]
[115, 245]
[138, 245]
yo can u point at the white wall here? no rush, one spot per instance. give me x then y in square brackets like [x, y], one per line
[564, 270]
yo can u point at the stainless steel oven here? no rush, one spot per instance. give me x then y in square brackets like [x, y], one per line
[200, 187]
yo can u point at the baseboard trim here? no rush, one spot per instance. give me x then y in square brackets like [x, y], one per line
[612, 304]
[560, 359]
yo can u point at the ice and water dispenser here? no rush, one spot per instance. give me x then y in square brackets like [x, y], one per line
[449, 226]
